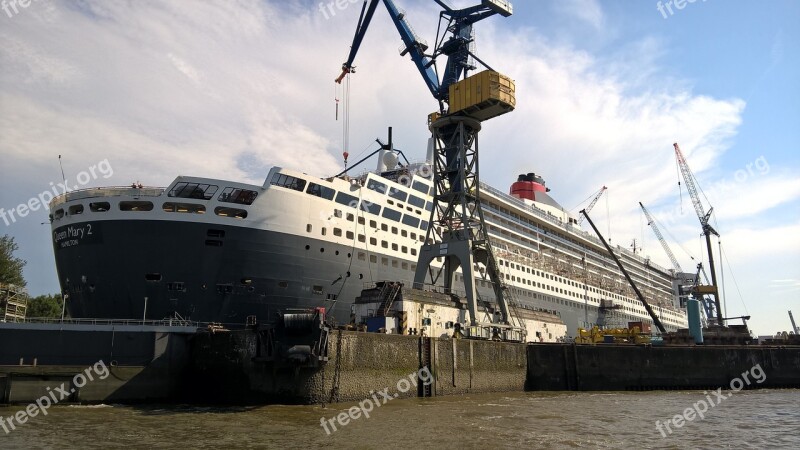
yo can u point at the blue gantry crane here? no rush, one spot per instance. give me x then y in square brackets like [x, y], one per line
[453, 39]
[458, 232]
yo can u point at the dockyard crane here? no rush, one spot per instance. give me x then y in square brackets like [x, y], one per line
[647, 307]
[708, 230]
[458, 231]
[458, 24]
[593, 202]
[657, 232]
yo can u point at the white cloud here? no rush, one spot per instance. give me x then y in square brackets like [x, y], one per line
[587, 11]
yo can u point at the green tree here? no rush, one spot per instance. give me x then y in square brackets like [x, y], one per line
[45, 306]
[10, 266]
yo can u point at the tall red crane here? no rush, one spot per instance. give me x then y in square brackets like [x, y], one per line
[708, 230]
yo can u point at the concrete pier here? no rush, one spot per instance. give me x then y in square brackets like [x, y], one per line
[608, 367]
[359, 364]
[125, 363]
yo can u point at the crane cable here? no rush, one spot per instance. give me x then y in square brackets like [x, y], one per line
[735, 283]
[344, 99]
[346, 112]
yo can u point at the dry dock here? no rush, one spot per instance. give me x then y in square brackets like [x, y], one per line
[310, 363]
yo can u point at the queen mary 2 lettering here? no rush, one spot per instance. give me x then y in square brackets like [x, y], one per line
[79, 234]
[212, 250]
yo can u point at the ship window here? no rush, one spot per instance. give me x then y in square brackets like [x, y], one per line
[373, 241]
[98, 207]
[414, 252]
[404, 266]
[324, 231]
[391, 214]
[362, 238]
[152, 277]
[423, 225]
[414, 236]
[394, 246]
[428, 206]
[321, 191]
[60, 213]
[376, 186]
[308, 228]
[240, 196]
[350, 217]
[404, 233]
[384, 244]
[230, 212]
[372, 208]
[385, 261]
[193, 190]
[397, 194]
[373, 224]
[350, 235]
[373, 259]
[346, 199]
[362, 256]
[215, 233]
[213, 243]
[416, 201]
[404, 249]
[76, 209]
[337, 232]
[420, 186]
[184, 208]
[394, 230]
[411, 221]
[288, 181]
[361, 220]
[394, 263]
[283, 284]
[317, 290]
[384, 227]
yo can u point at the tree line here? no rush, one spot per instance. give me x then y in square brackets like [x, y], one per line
[47, 305]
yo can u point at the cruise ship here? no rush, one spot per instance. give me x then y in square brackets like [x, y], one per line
[211, 250]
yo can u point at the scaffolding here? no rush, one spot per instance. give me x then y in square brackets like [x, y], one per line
[13, 302]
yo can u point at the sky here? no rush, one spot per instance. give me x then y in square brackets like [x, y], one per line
[145, 91]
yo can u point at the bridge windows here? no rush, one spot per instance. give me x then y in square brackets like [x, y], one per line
[242, 196]
[321, 191]
[198, 191]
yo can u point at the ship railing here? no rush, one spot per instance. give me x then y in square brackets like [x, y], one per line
[570, 228]
[173, 322]
[110, 191]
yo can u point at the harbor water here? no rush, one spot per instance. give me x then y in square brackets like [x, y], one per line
[751, 419]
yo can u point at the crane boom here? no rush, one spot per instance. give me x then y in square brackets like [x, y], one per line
[656, 320]
[708, 230]
[455, 48]
[652, 223]
[593, 202]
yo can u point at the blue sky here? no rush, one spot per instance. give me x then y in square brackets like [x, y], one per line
[228, 89]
